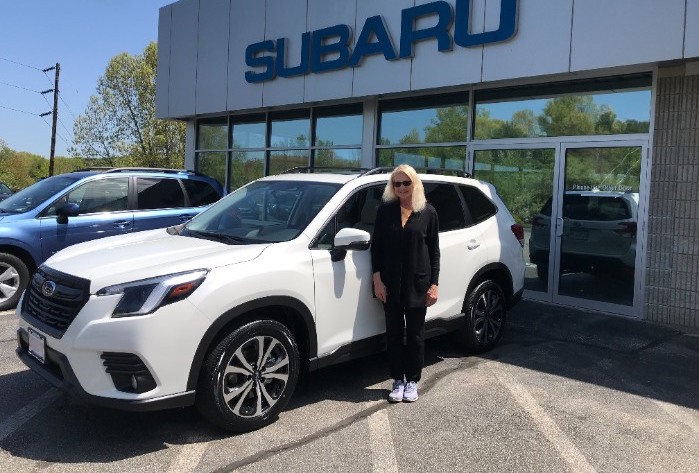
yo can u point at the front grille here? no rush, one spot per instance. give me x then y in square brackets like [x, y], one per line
[54, 313]
[128, 372]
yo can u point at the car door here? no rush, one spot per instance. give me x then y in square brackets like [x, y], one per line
[346, 310]
[160, 203]
[103, 211]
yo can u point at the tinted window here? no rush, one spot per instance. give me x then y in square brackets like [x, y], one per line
[200, 193]
[479, 206]
[157, 193]
[103, 195]
[600, 208]
[446, 201]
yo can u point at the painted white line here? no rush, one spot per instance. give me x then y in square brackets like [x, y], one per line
[547, 426]
[188, 458]
[383, 453]
[15, 421]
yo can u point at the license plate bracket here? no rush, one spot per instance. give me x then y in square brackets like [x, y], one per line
[37, 345]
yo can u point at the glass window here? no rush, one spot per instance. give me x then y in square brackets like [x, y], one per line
[338, 157]
[249, 135]
[445, 157]
[212, 134]
[212, 164]
[446, 202]
[338, 131]
[610, 113]
[479, 206]
[103, 195]
[280, 161]
[444, 124]
[158, 193]
[200, 193]
[246, 166]
[291, 133]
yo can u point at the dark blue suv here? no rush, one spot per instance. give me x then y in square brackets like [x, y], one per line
[63, 210]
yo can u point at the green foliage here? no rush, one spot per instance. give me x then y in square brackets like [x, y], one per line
[19, 169]
[119, 124]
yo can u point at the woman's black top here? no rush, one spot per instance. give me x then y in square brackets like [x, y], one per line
[406, 257]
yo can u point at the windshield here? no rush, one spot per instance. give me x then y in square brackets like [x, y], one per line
[29, 198]
[4, 189]
[262, 212]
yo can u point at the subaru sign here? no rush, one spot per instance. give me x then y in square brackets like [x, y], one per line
[329, 49]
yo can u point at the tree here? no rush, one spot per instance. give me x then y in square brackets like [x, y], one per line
[119, 124]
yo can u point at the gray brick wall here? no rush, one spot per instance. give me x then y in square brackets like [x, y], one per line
[672, 264]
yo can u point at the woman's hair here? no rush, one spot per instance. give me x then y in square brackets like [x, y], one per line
[419, 200]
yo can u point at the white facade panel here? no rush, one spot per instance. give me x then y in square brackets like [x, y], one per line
[691, 37]
[212, 57]
[338, 83]
[286, 19]
[162, 72]
[247, 26]
[183, 58]
[624, 32]
[433, 68]
[375, 75]
[540, 46]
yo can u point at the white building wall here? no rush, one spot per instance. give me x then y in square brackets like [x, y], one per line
[247, 26]
[212, 56]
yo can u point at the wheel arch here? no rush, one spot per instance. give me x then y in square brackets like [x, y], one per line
[497, 272]
[22, 254]
[284, 309]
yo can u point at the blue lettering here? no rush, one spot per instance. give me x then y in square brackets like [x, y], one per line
[303, 67]
[374, 26]
[253, 60]
[462, 25]
[321, 49]
[410, 36]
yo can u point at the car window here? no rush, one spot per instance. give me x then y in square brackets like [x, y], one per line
[159, 193]
[446, 202]
[4, 189]
[102, 195]
[358, 211]
[200, 192]
[479, 206]
[599, 208]
[29, 198]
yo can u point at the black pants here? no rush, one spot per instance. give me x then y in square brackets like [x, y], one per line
[406, 360]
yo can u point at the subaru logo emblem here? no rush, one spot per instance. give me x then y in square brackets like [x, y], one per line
[48, 288]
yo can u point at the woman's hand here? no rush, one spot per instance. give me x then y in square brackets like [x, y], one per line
[379, 288]
[432, 295]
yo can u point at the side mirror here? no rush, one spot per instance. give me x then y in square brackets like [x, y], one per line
[349, 239]
[65, 211]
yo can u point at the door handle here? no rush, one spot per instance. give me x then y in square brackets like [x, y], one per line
[473, 244]
[122, 224]
[559, 227]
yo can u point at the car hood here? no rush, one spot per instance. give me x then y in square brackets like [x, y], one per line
[147, 254]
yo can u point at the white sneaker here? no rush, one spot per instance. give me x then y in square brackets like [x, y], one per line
[410, 392]
[397, 392]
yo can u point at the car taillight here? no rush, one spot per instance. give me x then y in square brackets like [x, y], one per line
[518, 230]
[627, 228]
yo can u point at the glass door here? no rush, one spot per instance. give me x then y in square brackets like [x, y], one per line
[596, 225]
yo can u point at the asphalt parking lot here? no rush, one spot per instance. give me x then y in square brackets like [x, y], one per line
[565, 390]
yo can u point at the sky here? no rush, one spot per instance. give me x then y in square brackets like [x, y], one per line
[81, 35]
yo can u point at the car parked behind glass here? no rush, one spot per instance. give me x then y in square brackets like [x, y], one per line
[66, 209]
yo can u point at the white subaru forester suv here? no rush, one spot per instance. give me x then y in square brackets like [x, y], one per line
[226, 310]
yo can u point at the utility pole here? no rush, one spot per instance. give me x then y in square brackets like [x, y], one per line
[57, 67]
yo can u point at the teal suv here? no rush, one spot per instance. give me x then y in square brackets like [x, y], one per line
[63, 210]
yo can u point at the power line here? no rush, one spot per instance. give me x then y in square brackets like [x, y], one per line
[19, 87]
[57, 134]
[22, 111]
[20, 64]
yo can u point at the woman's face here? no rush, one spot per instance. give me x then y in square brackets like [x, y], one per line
[402, 191]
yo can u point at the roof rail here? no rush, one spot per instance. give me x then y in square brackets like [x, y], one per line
[312, 169]
[145, 169]
[443, 171]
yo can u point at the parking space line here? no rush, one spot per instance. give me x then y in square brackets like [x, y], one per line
[189, 457]
[547, 426]
[16, 420]
[383, 453]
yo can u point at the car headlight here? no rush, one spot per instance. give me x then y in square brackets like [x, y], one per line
[145, 296]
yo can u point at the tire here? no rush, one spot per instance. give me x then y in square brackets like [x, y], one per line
[236, 394]
[14, 277]
[486, 313]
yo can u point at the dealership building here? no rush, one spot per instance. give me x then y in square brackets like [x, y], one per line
[583, 114]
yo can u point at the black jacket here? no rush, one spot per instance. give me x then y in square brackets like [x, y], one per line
[407, 258]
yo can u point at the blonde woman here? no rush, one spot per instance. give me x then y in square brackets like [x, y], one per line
[405, 263]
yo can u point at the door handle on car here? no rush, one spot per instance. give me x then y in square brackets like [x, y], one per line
[122, 224]
[473, 244]
[559, 226]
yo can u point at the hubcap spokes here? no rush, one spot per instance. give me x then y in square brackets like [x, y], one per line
[255, 376]
[488, 312]
[9, 282]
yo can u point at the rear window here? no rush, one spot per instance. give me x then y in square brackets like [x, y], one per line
[600, 208]
[200, 193]
[480, 207]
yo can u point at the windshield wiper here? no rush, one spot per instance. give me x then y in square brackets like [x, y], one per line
[223, 238]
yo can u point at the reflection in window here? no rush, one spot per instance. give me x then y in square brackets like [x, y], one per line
[571, 115]
[292, 133]
[212, 164]
[213, 135]
[249, 135]
[246, 166]
[280, 161]
[445, 157]
[339, 131]
[448, 124]
[342, 158]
